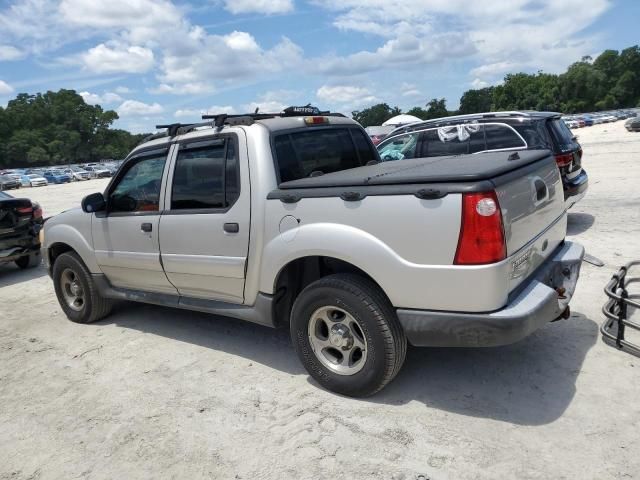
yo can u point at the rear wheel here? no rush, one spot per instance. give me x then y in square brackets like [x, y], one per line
[76, 291]
[29, 261]
[347, 335]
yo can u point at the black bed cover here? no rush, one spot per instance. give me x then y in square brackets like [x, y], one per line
[462, 168]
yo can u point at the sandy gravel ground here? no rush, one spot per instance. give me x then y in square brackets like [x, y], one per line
[158, 393]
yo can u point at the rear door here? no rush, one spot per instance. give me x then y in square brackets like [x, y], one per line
[204, 230]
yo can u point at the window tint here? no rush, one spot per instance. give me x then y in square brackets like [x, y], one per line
[501, 136]
[198, 179]
[477, 142]
[318, 151]
[232, 179]
[562, 134]
[139, 189]
[400, 147]
[445, 141]
[366, 153]
[534, 134]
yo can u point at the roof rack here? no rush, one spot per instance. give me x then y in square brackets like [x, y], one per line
[248, 118]
[222, 119]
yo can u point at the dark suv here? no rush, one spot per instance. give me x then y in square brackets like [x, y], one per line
[494, 131]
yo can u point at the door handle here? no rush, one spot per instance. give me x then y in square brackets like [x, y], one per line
[231, 227]
[146, 227]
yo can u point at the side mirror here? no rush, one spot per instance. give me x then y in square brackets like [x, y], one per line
[93, 203]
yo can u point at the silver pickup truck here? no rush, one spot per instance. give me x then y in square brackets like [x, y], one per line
[292, 220]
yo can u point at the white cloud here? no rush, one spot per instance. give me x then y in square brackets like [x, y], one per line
[115, 57]
[529, 34]
[404, 50]
[122, 90]
[5, 88]
[9, 52]
[345, 98]
[268, 7]
[136, 108]
[215, 59]
[344, 94]
[410, 90]
[105, 99]
[477, 83]
[120, 14]
[196, 114]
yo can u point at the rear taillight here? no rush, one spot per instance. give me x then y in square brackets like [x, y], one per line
[24, 210]
[481, 238]
[564, 159]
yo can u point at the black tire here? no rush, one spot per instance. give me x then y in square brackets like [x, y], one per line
[94, 306]
[367, 304]
[29, 261]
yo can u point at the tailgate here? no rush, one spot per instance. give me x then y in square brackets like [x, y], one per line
[533, 211]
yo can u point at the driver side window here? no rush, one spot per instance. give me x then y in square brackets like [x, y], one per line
[139, 188]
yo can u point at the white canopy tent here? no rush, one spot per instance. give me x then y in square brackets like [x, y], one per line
[400, 120]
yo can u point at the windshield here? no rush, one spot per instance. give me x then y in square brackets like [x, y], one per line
[311, 152]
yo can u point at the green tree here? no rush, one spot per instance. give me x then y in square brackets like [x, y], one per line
[58, 127]
[437, 108]
[476, 101]
[375, 115]
[37, 155]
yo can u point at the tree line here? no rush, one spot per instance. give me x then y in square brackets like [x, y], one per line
[55, 128]
[610, 81]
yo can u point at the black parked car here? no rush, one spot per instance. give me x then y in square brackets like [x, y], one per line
[8, 182]
[493, 131]
[20, 224]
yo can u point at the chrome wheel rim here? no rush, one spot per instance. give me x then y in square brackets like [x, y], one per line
[337, 340]
[72, 290]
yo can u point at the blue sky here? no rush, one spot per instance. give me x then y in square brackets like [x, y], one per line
[162, 61]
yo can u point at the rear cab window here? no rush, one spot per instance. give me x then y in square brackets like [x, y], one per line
[317, 151]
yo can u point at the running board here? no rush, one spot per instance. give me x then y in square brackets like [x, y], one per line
[617, 310]
[260, 313]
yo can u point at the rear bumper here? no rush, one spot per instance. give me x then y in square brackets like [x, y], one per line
[531, 306]
[22, 248]
[575, 189]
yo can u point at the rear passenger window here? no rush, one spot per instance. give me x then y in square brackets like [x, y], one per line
[501, 136]
[206, 177]
[445, 141]
[315, 152]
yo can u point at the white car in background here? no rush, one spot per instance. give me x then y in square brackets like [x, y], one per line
[33, 180]
[77, 174]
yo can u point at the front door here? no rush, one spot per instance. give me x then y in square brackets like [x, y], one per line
[126, 235]
[204, 228]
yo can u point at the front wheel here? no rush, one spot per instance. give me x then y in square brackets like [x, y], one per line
[76, 291]
[347, 335]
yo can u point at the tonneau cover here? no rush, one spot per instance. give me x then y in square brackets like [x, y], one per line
[472, 168]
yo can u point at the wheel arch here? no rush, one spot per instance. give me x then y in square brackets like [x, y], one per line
[300, 272]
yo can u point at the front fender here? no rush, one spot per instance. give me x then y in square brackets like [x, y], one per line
[73, 229]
